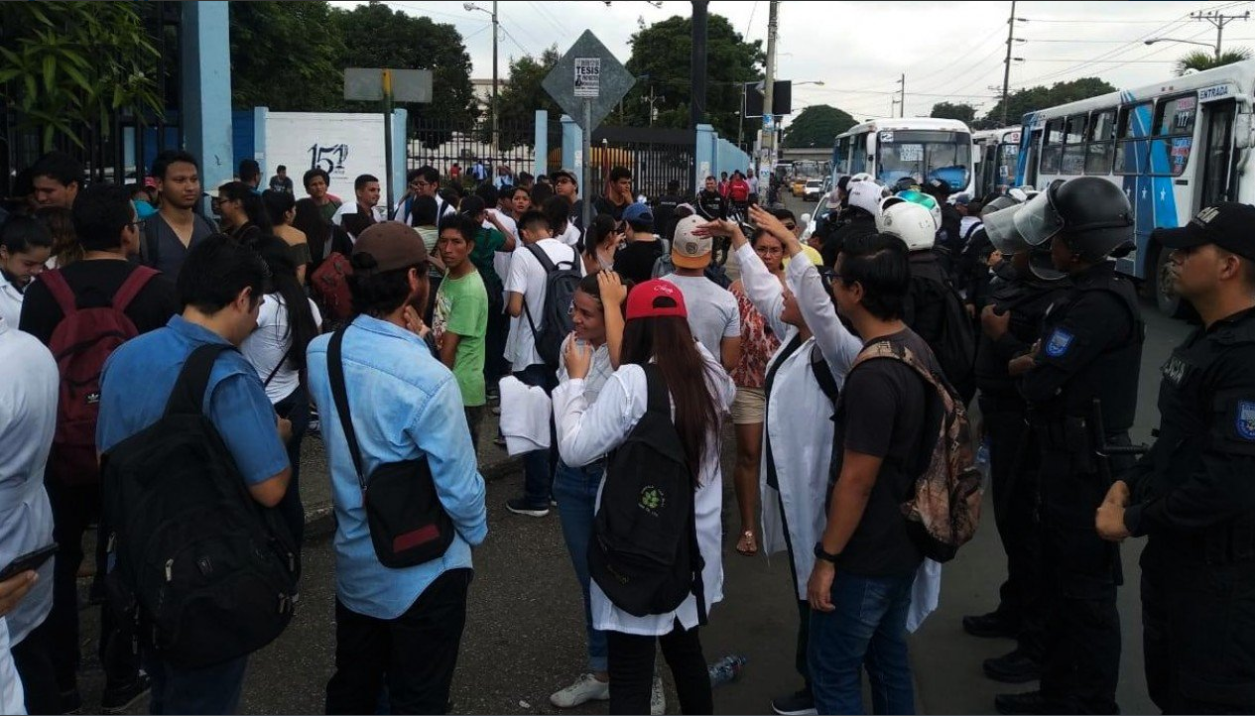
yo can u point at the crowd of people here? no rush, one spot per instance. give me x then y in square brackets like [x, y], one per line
[164, 367]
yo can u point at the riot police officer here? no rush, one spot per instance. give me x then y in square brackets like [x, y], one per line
[1010, 324]
[1193, 496]
[1090, 350]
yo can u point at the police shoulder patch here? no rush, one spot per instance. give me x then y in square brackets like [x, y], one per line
[1059, 343]
[1244, 420]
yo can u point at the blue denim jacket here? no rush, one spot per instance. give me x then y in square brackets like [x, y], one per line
[405, 404]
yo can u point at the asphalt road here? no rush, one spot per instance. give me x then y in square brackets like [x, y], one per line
[525, 637]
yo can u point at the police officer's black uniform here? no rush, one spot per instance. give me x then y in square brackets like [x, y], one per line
[1193, 496]
[1003, 411]
[1091, 348]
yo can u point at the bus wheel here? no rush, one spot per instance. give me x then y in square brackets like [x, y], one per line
[1165, 298]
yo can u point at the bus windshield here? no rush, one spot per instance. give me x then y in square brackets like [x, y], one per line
[924, 155]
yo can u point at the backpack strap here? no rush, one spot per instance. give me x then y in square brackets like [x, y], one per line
[335, 374]
[55, 282]
[286, 354]
[819, 365]
[658, 399]
[188, 395]
[131, 287]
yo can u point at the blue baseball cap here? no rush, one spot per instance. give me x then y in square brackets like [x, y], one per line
[638, 214]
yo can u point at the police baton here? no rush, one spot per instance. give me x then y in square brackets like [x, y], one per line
[1103, 452]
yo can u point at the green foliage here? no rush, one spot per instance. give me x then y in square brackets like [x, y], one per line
[68, 65]
[817, 126]
[520, 97]
[1041, 97]
[286, 56]
[1202, 60]
[946, 110]
[660, 59]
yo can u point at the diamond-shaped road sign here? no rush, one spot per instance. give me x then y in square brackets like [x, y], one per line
[588, 72]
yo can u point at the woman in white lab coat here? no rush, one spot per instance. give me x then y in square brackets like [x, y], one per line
[656, 332]
[797, 440]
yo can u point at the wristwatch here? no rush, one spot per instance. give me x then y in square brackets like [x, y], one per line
[821, 554]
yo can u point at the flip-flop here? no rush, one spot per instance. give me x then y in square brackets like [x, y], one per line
[752, 542]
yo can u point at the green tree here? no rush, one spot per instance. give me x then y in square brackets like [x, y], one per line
[817, 126]
[376, 36]
[522, 94]
[1201, 60]
[67, 66]
[1029, 99]
[286, 56]
[660, 59]
[961, 111]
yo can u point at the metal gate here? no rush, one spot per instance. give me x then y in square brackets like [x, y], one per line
[441, 144]
[655, 156]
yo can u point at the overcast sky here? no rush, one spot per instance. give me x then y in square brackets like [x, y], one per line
[949, 51]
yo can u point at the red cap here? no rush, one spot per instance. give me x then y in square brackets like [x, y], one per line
[655, 299]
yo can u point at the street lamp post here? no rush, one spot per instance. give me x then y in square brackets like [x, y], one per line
[492, 109]
[1215, 47]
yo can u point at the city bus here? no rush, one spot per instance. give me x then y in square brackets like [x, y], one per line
[1174, 146]
[921, 148]
[996, 157]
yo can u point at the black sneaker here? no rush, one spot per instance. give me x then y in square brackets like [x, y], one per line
[519, 506]
[118, 700]
[798, 703]
[1031, 702]
[991, 626]
[1014, 668]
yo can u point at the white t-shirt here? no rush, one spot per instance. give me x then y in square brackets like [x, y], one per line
[528, 277]
[266, 346]
[501, 259]
[571, 235]
[10, 302]
[712, 309]
[350, 207]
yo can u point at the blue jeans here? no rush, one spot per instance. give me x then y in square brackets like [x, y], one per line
[538, 464]
[211, 690]
[575, 489]
[867, 629]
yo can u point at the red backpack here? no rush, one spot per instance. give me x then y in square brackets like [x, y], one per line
[81, 343]
[330, 286]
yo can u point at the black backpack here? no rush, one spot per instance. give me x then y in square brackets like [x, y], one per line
[644, 553]
[561, 282]
[204, 572]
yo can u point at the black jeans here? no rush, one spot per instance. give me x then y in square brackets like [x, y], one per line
[632, 670]
[474, 416]
[295, 408]
[33, 660]
[414, 655]
[539, 465]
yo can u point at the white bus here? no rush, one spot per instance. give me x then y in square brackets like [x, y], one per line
[997, 155]
[922, 148]
[1174, 146]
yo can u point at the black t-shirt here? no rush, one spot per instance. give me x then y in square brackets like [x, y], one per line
[881, 413]
[94, 282]
[636, 260]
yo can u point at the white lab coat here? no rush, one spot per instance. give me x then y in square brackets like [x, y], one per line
[799, 425]
[587, 432]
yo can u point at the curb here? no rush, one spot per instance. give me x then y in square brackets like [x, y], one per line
[320, 519]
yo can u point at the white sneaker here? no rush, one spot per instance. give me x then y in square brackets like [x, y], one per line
[586, 688]
[657, 699]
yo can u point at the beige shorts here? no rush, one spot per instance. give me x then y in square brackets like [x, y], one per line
[749, 407]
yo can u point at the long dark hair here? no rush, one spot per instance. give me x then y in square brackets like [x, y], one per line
[278, 204]
[603, 226]
[301, 326]
[670, 343]
[308, 220]
[250, 202]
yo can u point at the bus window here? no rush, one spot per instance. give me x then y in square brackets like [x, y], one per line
[858, 155]
[1131, 149]
[1073, 145]
[841, 157]
[1099, 150]
[1052, 147]
[1174, 121]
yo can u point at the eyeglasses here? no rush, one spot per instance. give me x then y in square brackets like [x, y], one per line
[138, 224]
[769, 250]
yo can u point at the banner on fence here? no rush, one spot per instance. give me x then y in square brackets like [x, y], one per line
[344, 145]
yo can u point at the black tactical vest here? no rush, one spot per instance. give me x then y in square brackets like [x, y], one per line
[1028, 300]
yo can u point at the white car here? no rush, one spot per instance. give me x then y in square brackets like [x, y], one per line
[814, 188]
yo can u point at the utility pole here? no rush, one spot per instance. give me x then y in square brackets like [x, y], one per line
[495, 39]
[651, 100]
[697, 63]
[1006, 71]
[1219, 20]
[767, 164]
[902, 96]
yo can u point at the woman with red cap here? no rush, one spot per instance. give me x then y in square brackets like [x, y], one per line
[656, 346]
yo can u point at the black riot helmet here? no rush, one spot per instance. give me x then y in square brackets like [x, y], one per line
[1092, 215]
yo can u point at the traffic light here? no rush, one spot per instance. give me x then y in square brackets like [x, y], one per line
[781, 99]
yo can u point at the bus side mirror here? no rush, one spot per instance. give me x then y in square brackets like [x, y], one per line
[1242, 131]
[871, 144]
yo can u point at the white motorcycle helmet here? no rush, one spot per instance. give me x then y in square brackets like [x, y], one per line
[865, 195]
[861, 176]
[911, 222]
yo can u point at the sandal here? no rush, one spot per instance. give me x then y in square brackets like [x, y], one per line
[748, 544]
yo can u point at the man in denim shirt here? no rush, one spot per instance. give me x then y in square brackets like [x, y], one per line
[402, 624]
[220, 288]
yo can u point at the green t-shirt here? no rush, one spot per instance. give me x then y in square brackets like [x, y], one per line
[329, 210]
[462, 308]
[487, 243]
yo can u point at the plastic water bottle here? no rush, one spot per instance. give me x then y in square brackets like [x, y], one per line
[727, 669]
[982, 455]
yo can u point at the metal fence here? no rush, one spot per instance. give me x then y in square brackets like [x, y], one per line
[442, 144]
[655, 156]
